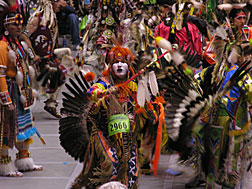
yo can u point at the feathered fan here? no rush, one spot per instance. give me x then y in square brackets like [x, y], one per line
[186, 101]
[74, 136]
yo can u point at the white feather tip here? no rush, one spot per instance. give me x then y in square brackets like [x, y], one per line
[141, 93]
[177, 58]
[153, 83]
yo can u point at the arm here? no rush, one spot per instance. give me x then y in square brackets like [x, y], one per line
[100, 89]
[4, 93]
[30, 28]
[97, 91]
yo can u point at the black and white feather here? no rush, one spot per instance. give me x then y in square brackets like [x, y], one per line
[73, 130]
[186, 100]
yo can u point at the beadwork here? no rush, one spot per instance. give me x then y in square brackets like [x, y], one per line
[23, 154]
[5, 160]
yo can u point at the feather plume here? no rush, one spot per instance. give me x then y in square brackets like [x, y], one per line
[225, 6]
[141, 93]
[3, 3]
[153, 83]
[197, 4]
[221, 32]
[219, 49]
[19, 78]
[177, 58]
[32, 72]
[185, 104]
[12, 56]
[233, 56]
[163, 43]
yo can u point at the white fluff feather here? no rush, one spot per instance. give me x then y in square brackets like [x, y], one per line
[25, 164]
[233, 56]
[19, 78]
[32, 72]
[177, 58]
[12, 56]
[8, 168]
[221, 32]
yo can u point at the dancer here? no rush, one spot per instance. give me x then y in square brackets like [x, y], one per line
[41, 35]
[17, 96]
[113, 123]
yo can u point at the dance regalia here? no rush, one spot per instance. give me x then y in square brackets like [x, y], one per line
[227, 124]
[88, 135]
[109, 15]
[209, 54]
[44, 41]
[189, 35]
[15, 88]
[110, 148]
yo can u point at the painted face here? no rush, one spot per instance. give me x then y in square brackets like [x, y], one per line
[239, 20]
[120, 69]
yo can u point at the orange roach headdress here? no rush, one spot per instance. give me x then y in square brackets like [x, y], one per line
[120, 54]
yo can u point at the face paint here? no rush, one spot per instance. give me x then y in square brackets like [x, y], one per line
[120, 69]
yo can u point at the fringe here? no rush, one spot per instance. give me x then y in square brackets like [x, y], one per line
[158, 140]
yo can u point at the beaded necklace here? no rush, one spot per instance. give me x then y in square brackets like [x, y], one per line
[23, 66]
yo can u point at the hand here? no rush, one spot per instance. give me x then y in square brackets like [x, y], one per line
[11, 107]
[111, 90]
[36, 59]
[62, 3]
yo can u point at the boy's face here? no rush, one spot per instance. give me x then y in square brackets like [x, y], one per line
[240, 20]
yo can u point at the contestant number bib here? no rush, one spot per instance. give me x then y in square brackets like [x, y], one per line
[118, 124]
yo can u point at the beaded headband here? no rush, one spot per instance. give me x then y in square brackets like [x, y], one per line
[17, 19]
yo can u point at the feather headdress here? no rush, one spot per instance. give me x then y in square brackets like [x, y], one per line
[6, 7]
[228, 5]
[45, 7]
